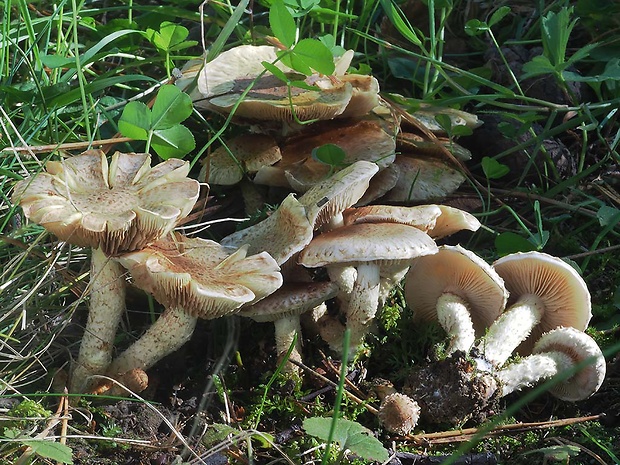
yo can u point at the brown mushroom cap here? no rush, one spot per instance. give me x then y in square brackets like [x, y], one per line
[455, 270]
[399, 413]
[555, 285]
[579, 347]
[383, 243]
[118, 207]
[226, 165]
[452, 220]
[422, 217]
[202, 277]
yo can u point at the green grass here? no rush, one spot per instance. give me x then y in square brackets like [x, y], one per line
[68, 69]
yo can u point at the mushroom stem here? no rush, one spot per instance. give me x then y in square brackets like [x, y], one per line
[532, 369]
[286, 329]
[454, 316]
[106, 307]
[363, 303]
[511, 328]
[172, 329]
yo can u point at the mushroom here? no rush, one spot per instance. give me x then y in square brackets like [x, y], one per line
[112, 208]
[545, 293]
[367, 247]
[557, 351]
[284, 307]
[398, 413]
[457, 288]
[192, 278]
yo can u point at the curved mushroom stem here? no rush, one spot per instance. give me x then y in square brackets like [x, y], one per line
[286, 328]
[511, 329]
[453, 315]
[106, 307]
[364, 301]
[532, 369]
[171, 330]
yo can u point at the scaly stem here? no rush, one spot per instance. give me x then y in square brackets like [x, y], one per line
[453, 315]
[106, 307]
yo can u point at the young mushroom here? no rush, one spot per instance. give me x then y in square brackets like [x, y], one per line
[545, 293]
[193, 278]
[398, 413]
[112, 208]
[457, 288]
[557, 351]
[367, 247]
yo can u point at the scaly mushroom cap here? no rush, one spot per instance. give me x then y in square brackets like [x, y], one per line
[579, 347]
[200, 276]
[341, 190]
[290, 300]
[284, 233]
[382, 243]
[456, 271]
[118, 207]
[422, 217]
[399, 413]
[226, 165]
[560, 290]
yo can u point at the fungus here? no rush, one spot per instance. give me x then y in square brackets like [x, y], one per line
[398, 413]
[367, 247]
[556, 351]
[284, 308]
[192, 278]
[112, 208]
[545, 293]
[457, 288]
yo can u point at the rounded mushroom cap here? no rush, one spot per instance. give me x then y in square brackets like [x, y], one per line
[202, 277]
[579, 347]
[422, 217]
[118, 207]
[557, 285]
[460, 272]
[399, 413]
[453, 220]
[382, 243]
[290, 300]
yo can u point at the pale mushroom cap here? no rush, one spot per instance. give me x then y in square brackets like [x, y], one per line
[365, 95]
[118, 207]
[579, 347]
[460, 272]
[399, 413]
[284, 233]
[453, 220]
[226, 165]
[422, 217]
[382, 243]
[423, 179]
[202, 277]
[341, 190]
[380, 184]
[559, 287]
[290, 300]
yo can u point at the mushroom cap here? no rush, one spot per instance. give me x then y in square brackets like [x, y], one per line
[365, 95]
[460, 272]
[284, 233]
[419, 145]
[341, 190]
[579, 347]
[380, 184]
[399, 413]
[226, 165]
[561, 290]
[200, 276]
[453, 220]
[118, 207]
[381, 243]
[422, 179]
[291, 299]
[422, 217]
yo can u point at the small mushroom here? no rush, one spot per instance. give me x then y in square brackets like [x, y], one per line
[545, 293]
[367, 247]
[457, 288]
[557, 351]
[284, 307]
[112, 208]
[398, 413]
[192, 278]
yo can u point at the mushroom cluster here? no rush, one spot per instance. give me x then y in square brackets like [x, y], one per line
[530, 303]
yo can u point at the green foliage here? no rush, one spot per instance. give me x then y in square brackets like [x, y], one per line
[50, 450]
[349, 435]
[170, 38]
[160, 126]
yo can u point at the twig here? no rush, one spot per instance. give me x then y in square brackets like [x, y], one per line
[68, 145]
